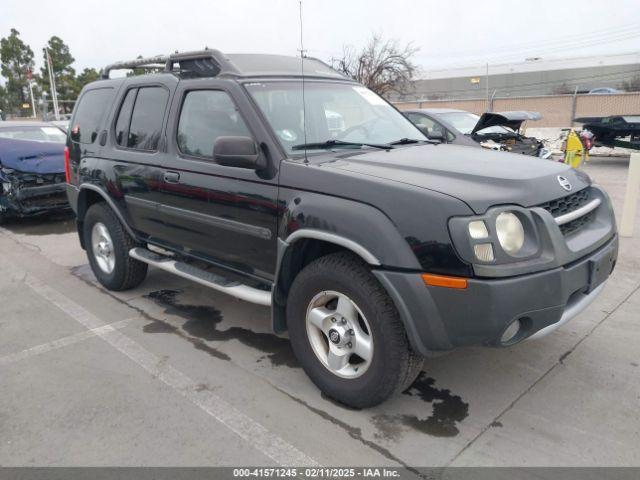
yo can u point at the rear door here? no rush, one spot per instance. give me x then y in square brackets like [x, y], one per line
[138, 151]
[227, 215]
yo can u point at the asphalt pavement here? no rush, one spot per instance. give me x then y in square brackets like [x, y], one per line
[174, 374]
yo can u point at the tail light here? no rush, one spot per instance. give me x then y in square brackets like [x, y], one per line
[67, 165]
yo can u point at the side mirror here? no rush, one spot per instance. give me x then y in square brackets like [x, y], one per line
[239, 152]
[437, 135]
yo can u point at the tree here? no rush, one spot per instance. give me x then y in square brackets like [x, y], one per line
[382, 65]
[64, 73]
[3, 102]
[88, 75]
[16, 61]
[631, 85]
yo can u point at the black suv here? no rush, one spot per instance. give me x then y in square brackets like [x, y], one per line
[278, 181]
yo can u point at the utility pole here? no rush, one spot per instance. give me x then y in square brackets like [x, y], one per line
[52, 83]
[33, 102]
[487, 86]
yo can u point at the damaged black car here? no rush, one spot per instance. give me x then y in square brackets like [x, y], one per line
[492, 130]
[32, 169]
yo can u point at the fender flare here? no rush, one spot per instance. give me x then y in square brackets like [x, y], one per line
[278, 310]
[109, 201]
[347, 243]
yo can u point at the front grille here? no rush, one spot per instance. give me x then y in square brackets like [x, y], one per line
[578, 223]
[568, 204]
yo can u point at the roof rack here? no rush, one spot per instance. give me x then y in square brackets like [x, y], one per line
[201, 63]
[214, 63]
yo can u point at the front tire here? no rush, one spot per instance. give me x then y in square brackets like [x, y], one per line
[347, 334]
[108, 246]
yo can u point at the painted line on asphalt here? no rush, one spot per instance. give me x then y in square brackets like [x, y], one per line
[61, 342]
[271, 445]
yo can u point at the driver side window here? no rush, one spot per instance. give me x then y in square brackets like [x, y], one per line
[205, 116]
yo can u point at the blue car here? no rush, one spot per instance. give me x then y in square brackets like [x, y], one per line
[32, 171]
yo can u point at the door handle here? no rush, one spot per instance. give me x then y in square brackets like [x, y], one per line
[171, 177]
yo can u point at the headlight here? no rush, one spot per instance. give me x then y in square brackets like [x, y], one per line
[510, 232]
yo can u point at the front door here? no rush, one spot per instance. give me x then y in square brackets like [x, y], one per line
[227, 215]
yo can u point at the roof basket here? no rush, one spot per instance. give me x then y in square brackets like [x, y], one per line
[202, 63]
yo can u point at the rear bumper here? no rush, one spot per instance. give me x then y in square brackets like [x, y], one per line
[440, 319]
[28, 201]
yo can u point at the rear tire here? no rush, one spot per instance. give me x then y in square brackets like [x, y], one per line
[326, 340]
[108, 246]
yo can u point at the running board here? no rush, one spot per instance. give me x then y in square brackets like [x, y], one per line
[208, 279]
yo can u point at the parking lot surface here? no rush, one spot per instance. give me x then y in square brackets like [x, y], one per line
[172, 373]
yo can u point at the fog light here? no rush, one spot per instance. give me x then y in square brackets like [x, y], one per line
[511, 332]
[484, 252]
[478, 229]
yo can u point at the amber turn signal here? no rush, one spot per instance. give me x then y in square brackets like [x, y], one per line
[444, 281]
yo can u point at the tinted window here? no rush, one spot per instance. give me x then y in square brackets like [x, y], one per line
[122, 124]
[90, 112]
[205, 116]
[146, 121]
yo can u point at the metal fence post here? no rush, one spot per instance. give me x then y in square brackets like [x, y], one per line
[631, 196]
[574, 104]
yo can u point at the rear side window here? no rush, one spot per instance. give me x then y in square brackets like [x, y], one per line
[90, 112]
[147, 117]
[205, 116]
[124, 117]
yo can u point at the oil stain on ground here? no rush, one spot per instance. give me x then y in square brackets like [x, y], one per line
[448, 411]
[202, 322]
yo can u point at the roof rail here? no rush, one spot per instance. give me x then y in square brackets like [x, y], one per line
[159, 61]
[201, 63]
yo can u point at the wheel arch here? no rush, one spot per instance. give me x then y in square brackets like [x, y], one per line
[89, 194]
[297, 251]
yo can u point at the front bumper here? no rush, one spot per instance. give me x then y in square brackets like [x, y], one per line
[440, 319]
[27, 201]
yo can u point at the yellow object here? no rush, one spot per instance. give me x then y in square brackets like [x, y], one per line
[444, 281]
[574, 151]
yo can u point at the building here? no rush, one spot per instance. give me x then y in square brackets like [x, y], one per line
[534, 77]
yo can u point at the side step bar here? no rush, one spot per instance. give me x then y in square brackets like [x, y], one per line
[211, 280]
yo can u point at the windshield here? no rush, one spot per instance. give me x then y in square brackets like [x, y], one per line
[335, 113]
[466, 121]
[37, 134]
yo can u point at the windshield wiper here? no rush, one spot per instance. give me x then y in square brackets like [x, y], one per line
[409, 141]
[339, 143]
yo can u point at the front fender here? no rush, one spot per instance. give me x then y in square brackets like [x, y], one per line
[362, 228]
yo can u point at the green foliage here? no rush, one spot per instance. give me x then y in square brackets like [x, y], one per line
[88, 75]
[16, 60]
[65, 75]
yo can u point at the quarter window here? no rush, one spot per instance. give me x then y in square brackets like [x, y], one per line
[124, 117]
[205, 116]
[89, 114]
[146, 121]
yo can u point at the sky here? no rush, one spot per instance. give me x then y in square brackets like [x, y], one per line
[449, 33]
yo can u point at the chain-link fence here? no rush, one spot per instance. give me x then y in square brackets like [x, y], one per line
[556, 110]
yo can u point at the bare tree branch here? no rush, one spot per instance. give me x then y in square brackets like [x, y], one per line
[382, 65]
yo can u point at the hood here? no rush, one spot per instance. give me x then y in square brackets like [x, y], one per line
[32, 157]
[480, 178]
[513, 120]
